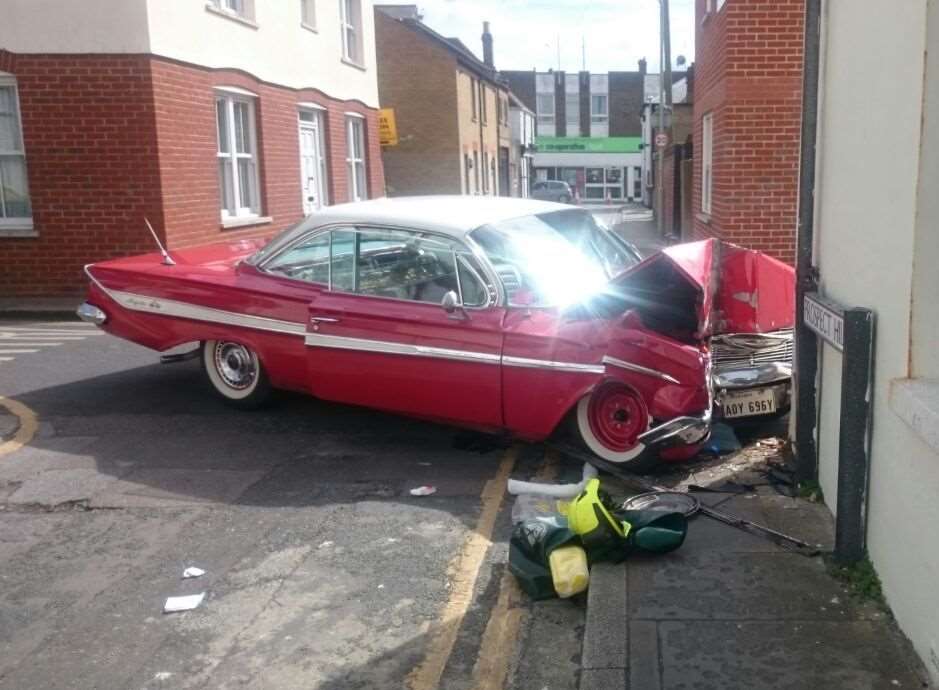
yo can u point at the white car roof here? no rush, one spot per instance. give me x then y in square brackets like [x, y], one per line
[454, 215]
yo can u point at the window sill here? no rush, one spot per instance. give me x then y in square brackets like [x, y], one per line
[704, 218]
[357, 65]
[309, 27]
[916, 402]
[25, 229]
[209, 7]
[230, 223]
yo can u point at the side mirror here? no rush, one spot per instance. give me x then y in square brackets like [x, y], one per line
[450, 302]
[452, 305]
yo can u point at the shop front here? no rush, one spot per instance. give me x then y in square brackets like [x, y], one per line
[598, 170]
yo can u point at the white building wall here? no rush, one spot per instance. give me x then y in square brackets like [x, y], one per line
[277, 49]
[866, 214]
[89, 26]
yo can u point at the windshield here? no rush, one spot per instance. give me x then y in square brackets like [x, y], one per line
[553, 259]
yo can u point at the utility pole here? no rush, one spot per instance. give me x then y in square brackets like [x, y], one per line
[658, 150]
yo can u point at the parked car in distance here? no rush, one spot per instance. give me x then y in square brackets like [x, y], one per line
[503, 315]
[552, 190]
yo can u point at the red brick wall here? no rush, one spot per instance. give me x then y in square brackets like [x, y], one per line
[748, 74]
[185, 105]
[112, 139]
[89, 135]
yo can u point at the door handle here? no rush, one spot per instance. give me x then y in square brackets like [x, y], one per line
[323, 319]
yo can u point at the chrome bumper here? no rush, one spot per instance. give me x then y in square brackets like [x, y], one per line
[89, 313]
[681, 430]
[752, 377]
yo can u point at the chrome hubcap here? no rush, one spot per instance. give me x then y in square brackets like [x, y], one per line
[235, 365]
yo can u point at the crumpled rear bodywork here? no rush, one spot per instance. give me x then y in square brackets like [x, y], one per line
[700, 289]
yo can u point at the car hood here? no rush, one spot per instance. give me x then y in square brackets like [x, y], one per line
[712, 287]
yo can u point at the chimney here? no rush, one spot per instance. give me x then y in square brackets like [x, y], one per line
[487, 46]
[642, 66]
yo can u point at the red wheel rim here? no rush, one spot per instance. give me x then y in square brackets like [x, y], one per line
[617, 415]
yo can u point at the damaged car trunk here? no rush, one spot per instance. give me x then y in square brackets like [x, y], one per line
[739, 303]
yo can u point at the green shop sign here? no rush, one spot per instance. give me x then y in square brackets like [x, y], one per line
[588, 144]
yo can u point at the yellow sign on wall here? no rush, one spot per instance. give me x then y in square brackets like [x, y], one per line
[387, 129]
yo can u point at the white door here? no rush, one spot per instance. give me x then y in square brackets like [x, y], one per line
[312, 163]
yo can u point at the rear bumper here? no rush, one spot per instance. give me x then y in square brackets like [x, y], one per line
[754, 376]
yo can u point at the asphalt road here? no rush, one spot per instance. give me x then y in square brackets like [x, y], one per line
[322, 571]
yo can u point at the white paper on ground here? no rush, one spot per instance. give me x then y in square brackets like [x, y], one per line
[185, 603]
[423, 491]
[193, 571]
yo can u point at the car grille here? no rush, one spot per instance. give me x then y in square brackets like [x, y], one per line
[747, 349]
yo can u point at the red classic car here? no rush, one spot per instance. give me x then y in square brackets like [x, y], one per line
[505, 315]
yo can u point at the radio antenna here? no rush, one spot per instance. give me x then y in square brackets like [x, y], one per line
[167, 259]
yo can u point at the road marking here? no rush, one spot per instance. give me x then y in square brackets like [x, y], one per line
[29, 423]
[51, 335]
[463, 570]
[499, 639]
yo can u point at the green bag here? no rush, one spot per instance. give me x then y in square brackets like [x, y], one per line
[529, 548]
[653, 531]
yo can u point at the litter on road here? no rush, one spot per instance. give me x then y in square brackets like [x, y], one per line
[424, 491]
[193, 571]
[184, 603]
[550, 554]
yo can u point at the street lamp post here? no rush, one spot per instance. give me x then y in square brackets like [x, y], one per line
[665, 102]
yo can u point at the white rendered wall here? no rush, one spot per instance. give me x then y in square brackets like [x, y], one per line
[89, 26]
[277, 50]
[865, 247]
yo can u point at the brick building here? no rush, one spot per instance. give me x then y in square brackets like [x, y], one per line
[748, 80]
[452, 113]
[215, 120]
[589, 130]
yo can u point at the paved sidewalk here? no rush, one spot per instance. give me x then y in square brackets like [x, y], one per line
[637, 225]
[731, 610]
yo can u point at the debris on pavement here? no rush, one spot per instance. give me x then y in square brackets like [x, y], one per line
[594, 527]
[325, 545]
[424, 491]
[183, 603]
[193, 571]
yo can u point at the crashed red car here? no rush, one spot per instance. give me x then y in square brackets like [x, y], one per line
[504, 315]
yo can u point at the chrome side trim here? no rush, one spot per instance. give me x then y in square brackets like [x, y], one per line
[407, 349]
[526, 363]
[185, 310]
[629, 366]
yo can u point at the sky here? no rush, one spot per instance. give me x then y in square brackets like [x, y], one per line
[525, 33]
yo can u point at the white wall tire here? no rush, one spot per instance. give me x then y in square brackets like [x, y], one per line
[235, 373]
[611, 439]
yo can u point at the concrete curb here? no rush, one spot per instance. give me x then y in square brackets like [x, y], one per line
[604, 655]
[54, 308]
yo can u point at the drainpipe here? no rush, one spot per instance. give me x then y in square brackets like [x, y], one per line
[806, 343]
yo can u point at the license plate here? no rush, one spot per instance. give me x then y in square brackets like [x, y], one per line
[748, 403]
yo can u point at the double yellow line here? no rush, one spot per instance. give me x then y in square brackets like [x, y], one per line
[29, 423]
[496, 647]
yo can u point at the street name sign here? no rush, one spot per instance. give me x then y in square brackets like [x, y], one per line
[825, 318]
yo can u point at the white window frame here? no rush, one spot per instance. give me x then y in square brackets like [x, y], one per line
[238, 9]
[24, 223]
[236, 211]
[355, 126]
[707, 161]
[308, 14]
[351, 52]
